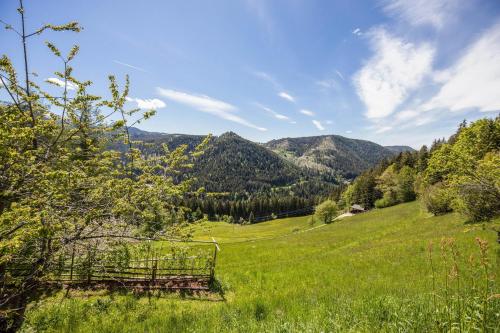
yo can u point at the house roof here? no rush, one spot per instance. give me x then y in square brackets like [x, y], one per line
[357, 207]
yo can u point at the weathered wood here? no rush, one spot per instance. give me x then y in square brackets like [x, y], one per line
[163, 272]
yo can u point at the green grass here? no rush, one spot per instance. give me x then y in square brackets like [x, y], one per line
[232, 233]
[366, 273]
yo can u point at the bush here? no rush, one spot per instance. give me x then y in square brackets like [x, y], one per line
[326, 211]
[477, 203]
[437, 199]
[478, 196]
[384, 202]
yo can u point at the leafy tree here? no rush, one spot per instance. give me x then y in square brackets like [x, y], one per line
[466, 167]
[326, 211]
[387, 183]
[406, 181]
[437, 199]
[347, 196]
[422, 159]
[478, 195]
[59, 182]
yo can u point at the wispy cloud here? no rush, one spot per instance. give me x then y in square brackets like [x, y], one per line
[307, 112]
[339, 74]
[148, 104]
[348, 131]
[274, 113]
[396, 69]
[209, 105]
[275, 83]
[383, 129]
[269, 78]
[422, 12]
[357, 32]
[130, 66]
[318, 125]
[473, 82]
[286, 96]
[58, 82]
[327, 84]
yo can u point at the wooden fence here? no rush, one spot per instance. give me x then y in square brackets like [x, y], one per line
[156, 264]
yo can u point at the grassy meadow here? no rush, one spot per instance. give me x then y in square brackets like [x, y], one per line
[366, 273]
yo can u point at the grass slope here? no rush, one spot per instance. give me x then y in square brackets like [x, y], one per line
[365, 273]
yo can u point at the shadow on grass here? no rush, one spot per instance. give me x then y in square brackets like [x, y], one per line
[214, 293]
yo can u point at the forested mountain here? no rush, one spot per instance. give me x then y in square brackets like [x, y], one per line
[331, 153]
[400, 149]
[287, 176]
[234, 164]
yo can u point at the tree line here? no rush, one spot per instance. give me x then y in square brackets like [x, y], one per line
[459, 174]
[247, 207]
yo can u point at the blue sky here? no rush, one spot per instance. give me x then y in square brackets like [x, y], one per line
[391, 71]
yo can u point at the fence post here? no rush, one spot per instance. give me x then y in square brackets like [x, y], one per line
[72, 262]
[154, 268]
[212, 269]
[89, 264]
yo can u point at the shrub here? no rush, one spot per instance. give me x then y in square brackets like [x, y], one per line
[384, 202]
[326, 211]
[437, 199]
[478, 196]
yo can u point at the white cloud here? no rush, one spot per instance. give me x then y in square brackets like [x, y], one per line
[269, 78]
[209, 105]
[274, 113]
[60, 83]
[286, 96]
[383, 129]
[154, 103]
[339, 74]
[327, 84]
[130, 66]
[307, 112]
[348, 131]
[396, 69]
[422, 12]
[406, 115]
[318, 125]
[474, 80]
[472, 83]
[357, 32]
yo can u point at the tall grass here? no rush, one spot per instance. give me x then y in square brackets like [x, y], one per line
[374, 272]
[466, 300]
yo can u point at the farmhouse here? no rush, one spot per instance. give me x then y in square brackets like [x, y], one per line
[355, 209]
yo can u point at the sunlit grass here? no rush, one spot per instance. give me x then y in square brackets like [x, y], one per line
[366, 273]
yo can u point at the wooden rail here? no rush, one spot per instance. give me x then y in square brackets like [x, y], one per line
[156, 270]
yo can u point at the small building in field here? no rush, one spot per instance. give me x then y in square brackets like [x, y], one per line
[356, 209]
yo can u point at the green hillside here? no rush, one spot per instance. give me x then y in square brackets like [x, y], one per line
[364, 273]
[331, 153]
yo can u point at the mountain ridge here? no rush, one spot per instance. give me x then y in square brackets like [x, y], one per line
[232, 163]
